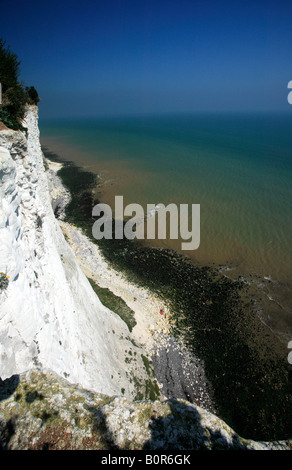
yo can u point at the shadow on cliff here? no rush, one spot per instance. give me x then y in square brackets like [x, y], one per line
[7, 388]
[181, 429]
[100, 428]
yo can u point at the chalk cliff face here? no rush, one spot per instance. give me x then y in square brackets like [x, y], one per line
[50, 318]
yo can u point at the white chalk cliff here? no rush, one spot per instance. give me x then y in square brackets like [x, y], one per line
[53, 327]
[50, 318]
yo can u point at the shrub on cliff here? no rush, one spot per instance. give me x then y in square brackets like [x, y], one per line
[32, 95]
[9, 67]
[4, 281]
[14, 95]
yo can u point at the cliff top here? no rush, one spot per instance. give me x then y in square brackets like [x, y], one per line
[40, 410]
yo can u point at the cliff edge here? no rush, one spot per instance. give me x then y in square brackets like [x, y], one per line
[42, 411]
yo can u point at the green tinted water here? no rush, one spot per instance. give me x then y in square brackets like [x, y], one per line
[238, 168]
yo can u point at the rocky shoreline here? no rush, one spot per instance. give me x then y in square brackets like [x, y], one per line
[179, 373]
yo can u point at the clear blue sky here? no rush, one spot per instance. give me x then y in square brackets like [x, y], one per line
[112, 57]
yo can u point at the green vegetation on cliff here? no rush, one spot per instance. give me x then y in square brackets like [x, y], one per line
[114, 303]
[15, 96]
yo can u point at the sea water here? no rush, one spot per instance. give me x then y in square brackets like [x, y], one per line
[238, 167]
